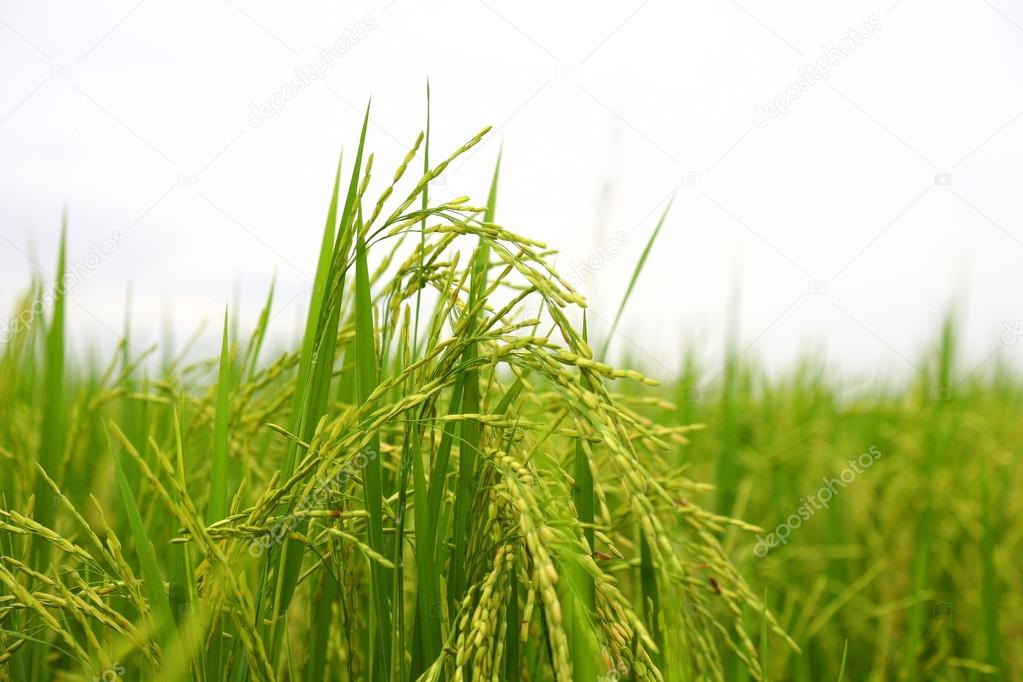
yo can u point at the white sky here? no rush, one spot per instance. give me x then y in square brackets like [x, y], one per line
[605, 109]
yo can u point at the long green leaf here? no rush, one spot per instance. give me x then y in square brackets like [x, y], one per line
[470, 429]
[159, 602]
[635, 276]
[366, 365]
[51, 440]
[216, 509]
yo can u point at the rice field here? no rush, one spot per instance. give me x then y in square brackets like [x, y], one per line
[448, 479]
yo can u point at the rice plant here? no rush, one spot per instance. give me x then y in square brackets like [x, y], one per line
[444, 481]
[441, 482]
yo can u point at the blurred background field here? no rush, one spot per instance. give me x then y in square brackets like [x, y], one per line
[914, 563]
[910, 571]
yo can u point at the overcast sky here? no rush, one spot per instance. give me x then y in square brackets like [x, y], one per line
[851, 170]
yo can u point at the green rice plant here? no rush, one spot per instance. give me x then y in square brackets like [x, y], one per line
[444, 481]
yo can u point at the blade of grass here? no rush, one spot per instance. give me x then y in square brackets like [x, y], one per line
[422, 227]
[216, 509]
[763, 639]
[219, 478]
[17, 665]
[320, 625]
[315, 370]
[51, 445]
[182, 582]
[989, 584]
[428, 614]
[366, 364]
[159, 602]
[470, 429]
[635, 276]
[259, 335]
[585, 501]
[651, 595]
[51, 441]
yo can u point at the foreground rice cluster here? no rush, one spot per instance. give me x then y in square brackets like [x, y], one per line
[441, 483]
